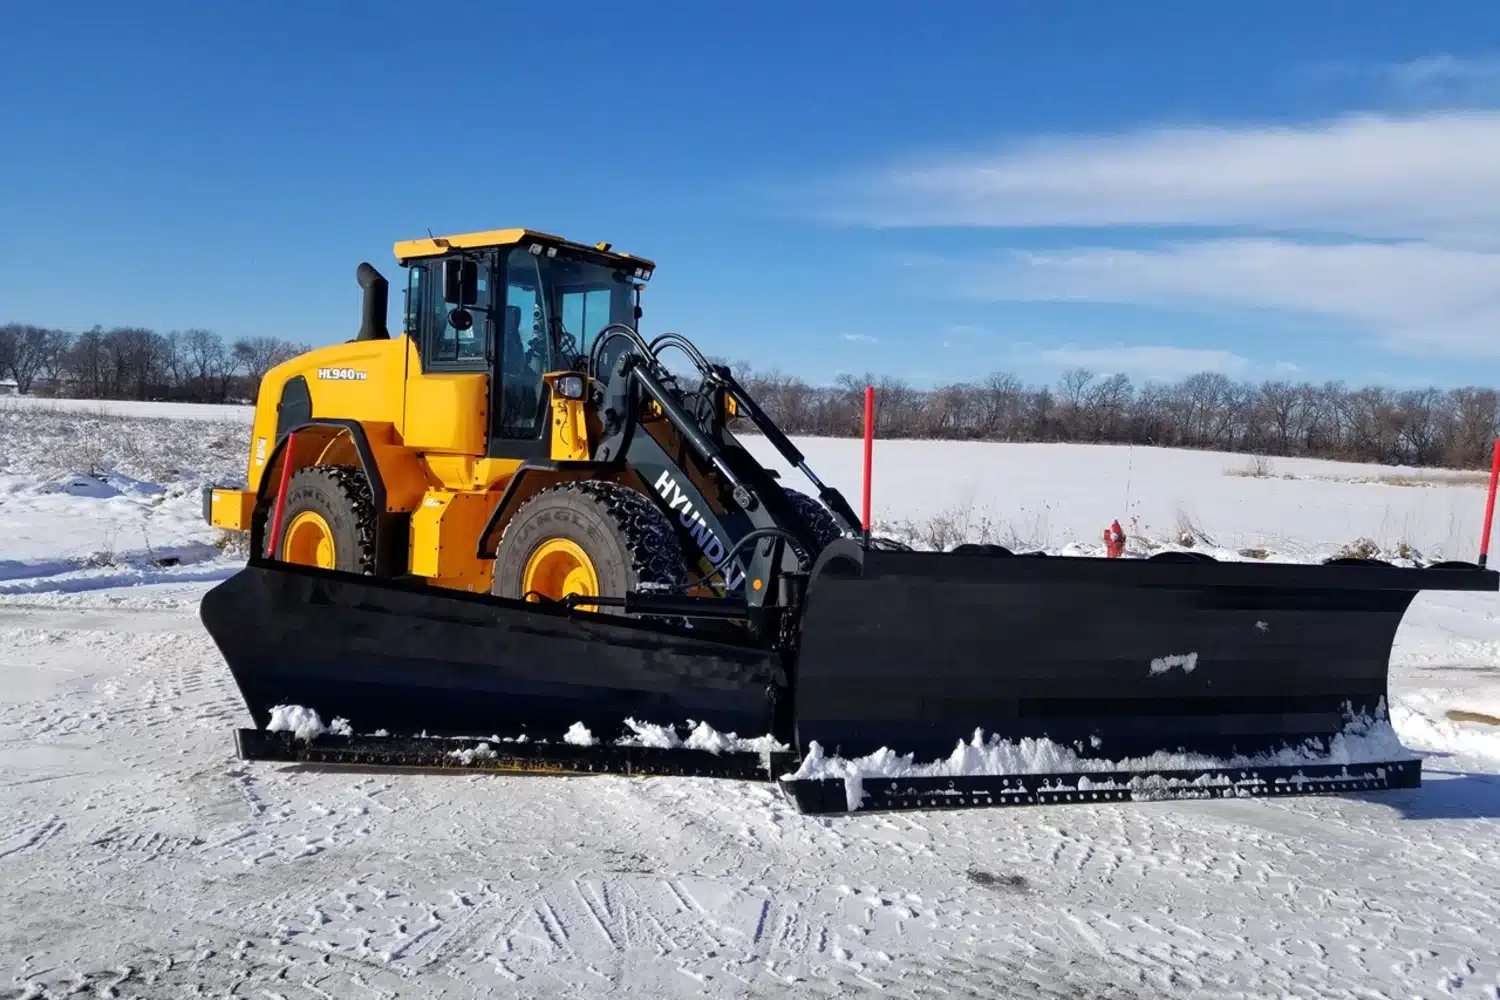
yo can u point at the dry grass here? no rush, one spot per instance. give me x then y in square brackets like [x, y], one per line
[151, 449]
[1429, 479]
[1258, 467]
[1190, 533]
[965, 523]
[1360, 548]
[233, 543]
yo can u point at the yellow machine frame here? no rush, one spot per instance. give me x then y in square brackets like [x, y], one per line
[424, 431]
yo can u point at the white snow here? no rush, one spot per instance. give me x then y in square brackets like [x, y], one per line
[579, 735]
[1187, 661]
[139, 858]
[224, 412]
[646, 734]
[303, 723]
[701, 736]
[705, 737]
[482, 751]
[1364, 740]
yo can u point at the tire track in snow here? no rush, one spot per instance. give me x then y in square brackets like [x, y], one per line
[30, 838]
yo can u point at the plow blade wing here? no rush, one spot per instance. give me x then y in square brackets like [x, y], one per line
[408, 658]
[1109, 658]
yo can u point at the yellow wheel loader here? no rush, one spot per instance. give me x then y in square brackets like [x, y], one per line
[512, 537]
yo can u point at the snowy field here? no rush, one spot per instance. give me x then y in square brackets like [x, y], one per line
[138, 857]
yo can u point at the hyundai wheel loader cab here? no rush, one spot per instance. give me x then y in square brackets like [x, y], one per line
[397, 450]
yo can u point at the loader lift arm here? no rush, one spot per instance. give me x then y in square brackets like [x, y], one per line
[644, 364]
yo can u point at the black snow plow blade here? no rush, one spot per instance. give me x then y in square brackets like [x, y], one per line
[1109, 659]
[411, 659]
[1090, 680]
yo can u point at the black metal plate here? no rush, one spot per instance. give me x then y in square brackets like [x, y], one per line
[409, 659]
[473, 754]
[1117, 658]
[829, 795]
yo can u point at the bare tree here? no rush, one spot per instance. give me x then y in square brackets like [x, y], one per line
[258, 355]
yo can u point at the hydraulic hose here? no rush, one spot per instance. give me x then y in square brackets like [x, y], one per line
[610, 332]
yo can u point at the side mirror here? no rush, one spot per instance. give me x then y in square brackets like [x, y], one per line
[460, 319]
[460, 281]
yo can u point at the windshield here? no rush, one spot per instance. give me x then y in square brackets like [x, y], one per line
[587, 297]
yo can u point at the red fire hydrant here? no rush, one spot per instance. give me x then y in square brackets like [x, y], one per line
[1114, 541]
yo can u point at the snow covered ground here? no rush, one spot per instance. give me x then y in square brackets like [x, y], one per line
[138, 857]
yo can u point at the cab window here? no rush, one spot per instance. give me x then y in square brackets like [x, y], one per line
[525, 347]
[448, 347]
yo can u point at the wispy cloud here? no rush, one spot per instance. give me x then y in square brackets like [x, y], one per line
[1152, 362]
[1368, 175]
[1388, 226]
[1437, 80]
[859, 338]
[1413, 298]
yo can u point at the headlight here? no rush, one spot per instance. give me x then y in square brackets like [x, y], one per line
[569, 386]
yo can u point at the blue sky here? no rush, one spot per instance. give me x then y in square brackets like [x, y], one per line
[1272, 190]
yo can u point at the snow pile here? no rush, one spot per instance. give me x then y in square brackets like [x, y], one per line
[701, 736]
[482, 752]
[579, 735]
[305, 723]
[1426, 727]
[705, 737]
[646, 734]
[1364, 740]
[1188, 662]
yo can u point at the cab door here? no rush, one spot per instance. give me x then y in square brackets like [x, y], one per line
[524, 352]
[448, 380]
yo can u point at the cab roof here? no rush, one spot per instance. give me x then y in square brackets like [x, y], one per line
[436, 246]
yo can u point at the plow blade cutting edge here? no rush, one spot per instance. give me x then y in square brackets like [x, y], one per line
[1208, 670]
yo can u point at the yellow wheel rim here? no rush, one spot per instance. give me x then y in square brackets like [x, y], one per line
[308, 541]
[559, 567]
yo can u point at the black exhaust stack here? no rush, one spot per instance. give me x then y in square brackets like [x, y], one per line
[377, 295]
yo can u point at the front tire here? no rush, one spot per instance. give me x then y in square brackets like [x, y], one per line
[328, 520]
[591, 538]
[822, 524]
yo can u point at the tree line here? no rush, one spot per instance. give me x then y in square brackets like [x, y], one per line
[196, 366]
[1209, 410]
[1445, 427]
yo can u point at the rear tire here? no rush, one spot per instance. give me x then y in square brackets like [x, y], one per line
[338, 496]
[628, 543]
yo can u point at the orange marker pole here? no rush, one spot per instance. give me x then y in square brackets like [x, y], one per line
[1489, 505]
[870, 454]
[286, 477]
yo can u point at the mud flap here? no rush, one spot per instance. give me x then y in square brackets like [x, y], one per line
[1109, 658]
[408, 658]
